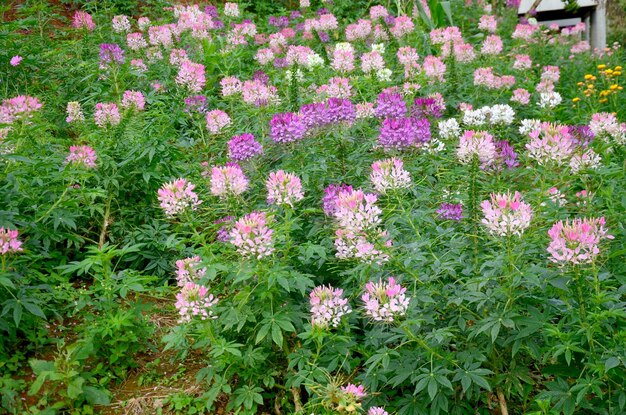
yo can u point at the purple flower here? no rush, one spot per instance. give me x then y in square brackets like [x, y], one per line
[450, 211]
[280, 63]
[390, 106]
[404, 132]
[506, 155]
[261, 77]
[196, 103]
[341, 110]
[390, 20]
[324, 37]
[244, 147]
[581, 135]
[218, 24]
[314, 115]
[426, 107]
[223, 233]
[322, 11]
[286, 127]
[211, 11]
[111, 53]
[330, 197]
[295, 15]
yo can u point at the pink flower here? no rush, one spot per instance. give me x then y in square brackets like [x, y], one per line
[488, 23]
[264, 56]
[283, 188]
[385, 301]
[367, 247]
[256, 92]
[372, 62]
[133, 100]
[231, 9]
[356, 392]
[377, 410]
[178, 196]
[188, 270]
[9, 244]
[389, 174]
[522, 62]
[403, 25]
[121, 24]
[506, 214]
[357, 211]
[343, 60]
[550, 144]
[82, 156]
[107, 115]
[228, 180]
[135, 41]
[327, 306]
[434, 68]
[216, 120]
[17, 108]
[191, 76]
[492, 45]
[252, 237]
[231, 85]
[195, 300]
[577, 241]
[521, 96]
[15, 60]
[83, 20]
[478, 144]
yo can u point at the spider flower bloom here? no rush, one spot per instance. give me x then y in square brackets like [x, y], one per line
[82, 156]
[189, 270]
[488, 23]
[121, 24]
[243, 147]
[585, 160]
[364, 110]
[355, 392]
[327, 306]
[74, 112]
[228, 180]
[83, 20]
[223, 233]
[252, 237]
[449, 129]
[390, 106]
[133, 100]
[195, 103]
[606, 126]
[377, 410]
[9, 244]
[314, 115]
[231, 9]
[342, 60]
[450, 211]
[479, 144]
[550, 144]
[389, 174]
[356, 210]
[434, 68]
[427, 107]
[230, 85]
[15, 60]
[195, 300]
[351, 245]
[577, 241]
[106, 115]
[403, 25]
[403, 133]
[111, 53]
[331, 193]
[286, 127]
[177, 196]
[506, 214]
[135, 41]
[492, 45]
[216, 120]
[283, 188]
[385, 301]
[521, 96]
[191, 76]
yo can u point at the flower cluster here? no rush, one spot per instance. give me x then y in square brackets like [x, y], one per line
[506, 214]
[9, 244]
[389, 174]
[18, 108]
[327, 306]
[550, 144]
[244, 147]
[228, 181]
[385, 301]
[107, 115]
[194, 300]
[283, 188]
[82, 156]
[133, 100]
[191, 76]
[286, 127]
[216, 121]
[178, 196]
[477, 144]
[252, 236]
[450, 211]
[189, 270]
[74, 112]
[402, 133]
[576, 241]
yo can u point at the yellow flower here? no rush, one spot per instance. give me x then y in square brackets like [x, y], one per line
[576, 99]
[602, 66]
[603, 100]
[618, 68]
[588, 76]
[614, 87]
[590, 86]
[617, 73]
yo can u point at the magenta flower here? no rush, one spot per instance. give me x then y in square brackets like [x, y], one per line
[390, 106]
[82, 156]
[576, 242]
[228, 181]
[252, 236]
[506, 214]
[189, 270]
[19, 107]
[111, 53]
[389, 174]
[385, 301]
[178, 196]
[283, 188]
[377, 410]
[450, 211]
[331, 193]
[194, 300]
[401, 133]
[15, 60]
[107, 115]
[9, 244]
[327, 306]
[286, 127]
[244, 147]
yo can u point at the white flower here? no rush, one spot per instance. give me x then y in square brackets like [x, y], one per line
[549, 99]
[384, 75]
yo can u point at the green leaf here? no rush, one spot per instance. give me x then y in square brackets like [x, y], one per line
[277, 335]
[96, 396]
[610, 363]
[263, 332]
[432, 388]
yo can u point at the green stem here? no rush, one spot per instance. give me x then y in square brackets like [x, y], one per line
[54, 205]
